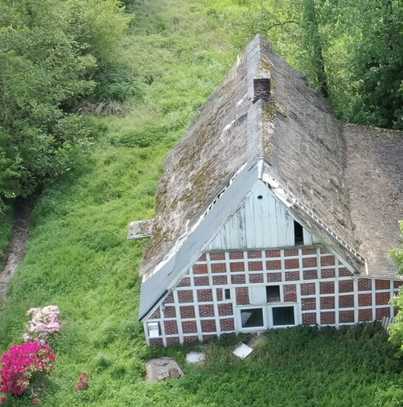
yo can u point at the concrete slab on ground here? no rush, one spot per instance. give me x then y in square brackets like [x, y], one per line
[162, 369]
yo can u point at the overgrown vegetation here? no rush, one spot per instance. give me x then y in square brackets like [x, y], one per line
[78, 256]
[6, 220]
[397, 327]
[54, 55]
[351, 50]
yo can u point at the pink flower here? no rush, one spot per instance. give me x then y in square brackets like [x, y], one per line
[44, 322]
[21, 362]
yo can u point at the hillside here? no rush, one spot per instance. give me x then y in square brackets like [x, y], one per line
[79, 258]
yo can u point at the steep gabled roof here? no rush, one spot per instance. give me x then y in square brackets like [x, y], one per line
[374, 181]
[264, 122]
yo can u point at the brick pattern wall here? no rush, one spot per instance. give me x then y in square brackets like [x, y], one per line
[324, 290]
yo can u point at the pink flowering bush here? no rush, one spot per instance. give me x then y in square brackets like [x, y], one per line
[44, 322]
[21, 363]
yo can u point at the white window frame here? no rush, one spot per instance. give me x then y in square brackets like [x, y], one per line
[297, 316]
[255, 328]
[152, 327]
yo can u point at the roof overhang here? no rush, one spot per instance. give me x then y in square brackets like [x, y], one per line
[188, 247]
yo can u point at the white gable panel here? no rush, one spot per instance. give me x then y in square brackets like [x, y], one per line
[261, 221]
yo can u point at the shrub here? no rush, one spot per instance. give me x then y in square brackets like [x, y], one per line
[55, 56]
[20, 365]
[44, 322]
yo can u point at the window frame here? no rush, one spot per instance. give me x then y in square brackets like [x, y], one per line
[284, 305]
[158, 324]
[280, 296]
[254, 328]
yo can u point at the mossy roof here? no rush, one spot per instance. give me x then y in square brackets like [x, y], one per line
[343, 182]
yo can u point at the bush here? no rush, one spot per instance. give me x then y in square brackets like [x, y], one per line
[22, 363]
[44, 323]
[55, 55]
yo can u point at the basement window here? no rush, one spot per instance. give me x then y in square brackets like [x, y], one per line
[153, 330]
[273, 293]
[283, 316]
[252, 318]
[298, 233]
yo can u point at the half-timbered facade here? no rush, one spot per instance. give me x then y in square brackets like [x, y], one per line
[272, 214]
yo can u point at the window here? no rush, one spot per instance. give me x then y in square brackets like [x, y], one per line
[153, 329]
[283, 316]
[227, 294]
[252, 318]
[298, 233]
[273, 293]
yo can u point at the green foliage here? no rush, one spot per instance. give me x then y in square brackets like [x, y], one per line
[397, 326]
[6, 219]
[313, 45]
[55, 54]
[78, 256]
[100, 27]
[353, 47]
[377, 65]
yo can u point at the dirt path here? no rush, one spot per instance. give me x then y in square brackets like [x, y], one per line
[18, 244]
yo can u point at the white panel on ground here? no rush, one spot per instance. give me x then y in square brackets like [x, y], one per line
[261, 221]
[242, 351]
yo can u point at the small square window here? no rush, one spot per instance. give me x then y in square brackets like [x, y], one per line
[153, 329]
[273, 293]
[283, 316]
[252, 318]
[227, 294]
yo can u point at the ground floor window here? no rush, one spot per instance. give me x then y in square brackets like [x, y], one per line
[268, 317]
[283, 316]
[153, 330]
[252, 318]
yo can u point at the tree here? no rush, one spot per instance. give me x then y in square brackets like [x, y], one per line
[313, 45]
[52, 54]
[377, 65]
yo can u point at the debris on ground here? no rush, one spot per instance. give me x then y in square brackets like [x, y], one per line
[195, 357]
[242, 351]
[162, 369]
[83, 382]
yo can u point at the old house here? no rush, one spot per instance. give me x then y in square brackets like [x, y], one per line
[271, 213]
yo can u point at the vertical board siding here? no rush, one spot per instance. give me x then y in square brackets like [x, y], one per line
[263, 222]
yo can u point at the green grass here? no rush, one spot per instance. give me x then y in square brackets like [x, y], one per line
[78, 257]
[6, 223]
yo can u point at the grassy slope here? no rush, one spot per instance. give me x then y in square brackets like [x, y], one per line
[78, 257]
[6, 222]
